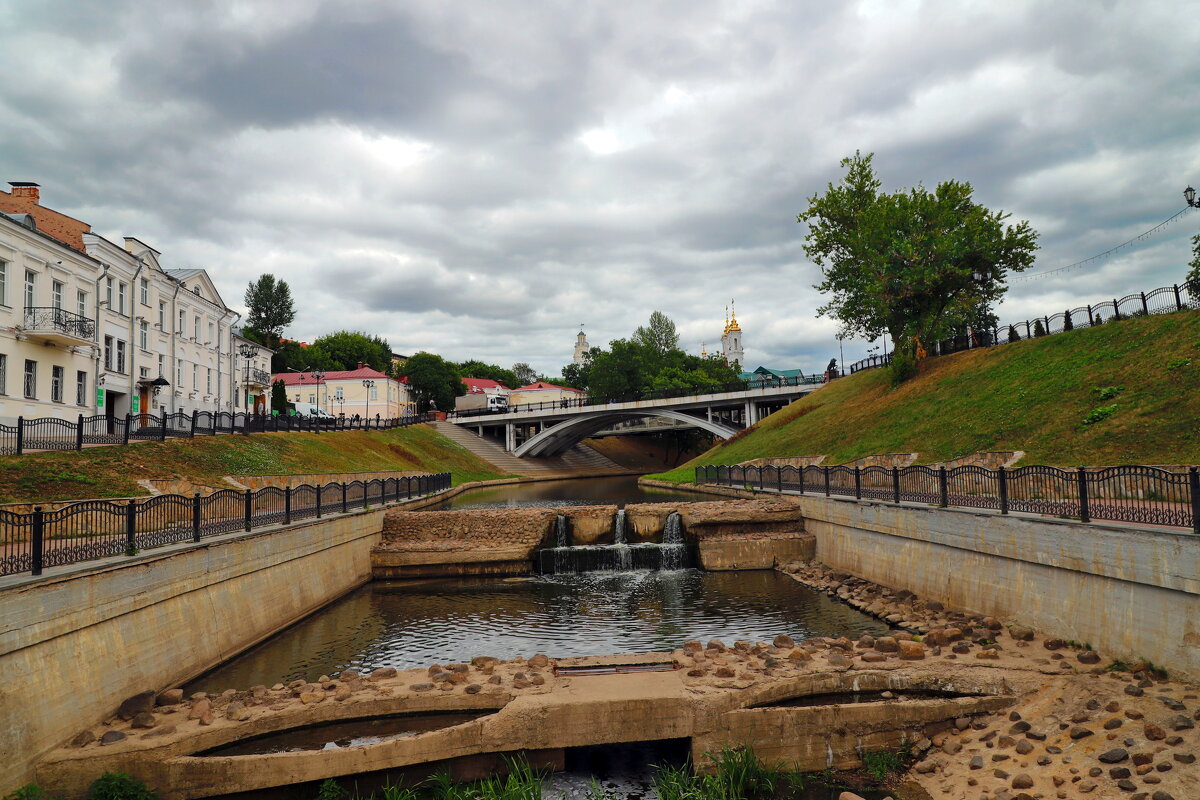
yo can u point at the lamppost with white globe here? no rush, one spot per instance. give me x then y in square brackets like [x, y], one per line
[368, 385]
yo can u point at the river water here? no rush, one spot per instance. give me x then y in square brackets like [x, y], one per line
[574, 492]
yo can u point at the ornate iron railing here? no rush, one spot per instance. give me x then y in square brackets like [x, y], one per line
[52, 433]
[1137, 494]
[1164, 300]
[44, 318]
[258, 377]
[103, 528]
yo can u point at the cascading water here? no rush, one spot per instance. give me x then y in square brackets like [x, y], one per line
[621, 556]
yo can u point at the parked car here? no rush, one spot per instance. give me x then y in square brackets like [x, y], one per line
[322, 416]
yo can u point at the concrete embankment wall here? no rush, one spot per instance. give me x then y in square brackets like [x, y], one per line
[74, 645]
[1129, 592]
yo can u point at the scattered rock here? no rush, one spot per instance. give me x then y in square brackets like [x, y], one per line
[136, 705]
[83, 738]
[783, 640]
[1184, 758]
[1180, 722]
[1079, 732]
[887, 644]
[421, 687]
[473, 688]
[1022, 781]
[1088, 657]
[1115, 756]
[111, 737]
[170, 697]
[144, 719]
[200, 708]
[383, 672]
[1154, 733]
[539, 661]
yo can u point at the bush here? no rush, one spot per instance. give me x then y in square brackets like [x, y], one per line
[119, 786]
[1038, 328]
[1013, 336]
[30, 791]
[1068, 325]
[1098, 414]
[879, 764]
[904, 366]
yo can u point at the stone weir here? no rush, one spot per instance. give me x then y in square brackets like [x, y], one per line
[722, 535]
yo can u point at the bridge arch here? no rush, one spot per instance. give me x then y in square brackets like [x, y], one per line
[570, 432]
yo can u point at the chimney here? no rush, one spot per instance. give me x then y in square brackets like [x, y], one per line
[360, 365]
[27, 190]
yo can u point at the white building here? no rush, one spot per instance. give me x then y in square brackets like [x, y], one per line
[731, 343]
[93, 327]
[581, 348]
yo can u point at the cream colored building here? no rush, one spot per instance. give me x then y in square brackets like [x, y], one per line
[364, 391]
[542, 392]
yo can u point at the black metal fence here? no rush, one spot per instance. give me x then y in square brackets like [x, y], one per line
[662, 394]
[1164, 300]
[49, 433]
[100, 528]
[1137, 494]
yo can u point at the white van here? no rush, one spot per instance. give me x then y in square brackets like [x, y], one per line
[310, 410]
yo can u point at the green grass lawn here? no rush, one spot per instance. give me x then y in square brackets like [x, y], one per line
[1137, 380]
[114, 471]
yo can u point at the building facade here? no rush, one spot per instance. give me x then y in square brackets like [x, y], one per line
[731, 343]
[251, 375]
[362, 392]
[91, 327]
[581, 348]
[542, 392]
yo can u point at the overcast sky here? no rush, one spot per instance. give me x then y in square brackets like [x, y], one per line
[477, 179]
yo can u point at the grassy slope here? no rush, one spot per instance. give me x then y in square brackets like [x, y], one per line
[113, 471]
[1029, 395]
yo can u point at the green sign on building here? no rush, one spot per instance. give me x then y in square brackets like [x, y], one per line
[100, 397]
[136, 401]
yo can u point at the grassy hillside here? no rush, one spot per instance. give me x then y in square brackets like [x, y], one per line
[114, 471]
[1137, 381]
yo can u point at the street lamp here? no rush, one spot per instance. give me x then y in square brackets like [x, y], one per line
[247, 351]
[368, 385]
[319, 374]
[1189, 194]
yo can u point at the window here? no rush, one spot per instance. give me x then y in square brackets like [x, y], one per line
[108, 352]
[31, 379]
[56, 288]
[30, 288]
[162, 317]
[182, 322]
[145, 289]
[337, 394]
[121, 356]
[162, 360]
[108, 287]
[81, 302]
[179, 374]
[3, 283]
[81, 393]
[3, 374]
[312, 399]
[195, 377]
[196, 328]
[144, 335]
[143, 372]
[211, 334]
[374, 392]
[57, 376]
[208, 380]
[121, 287]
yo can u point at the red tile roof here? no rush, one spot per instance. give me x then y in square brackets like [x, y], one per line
[544, 385]
[479, 384]
[306, 378]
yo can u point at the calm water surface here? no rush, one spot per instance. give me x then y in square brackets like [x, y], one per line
[576, 492]
[417, 623]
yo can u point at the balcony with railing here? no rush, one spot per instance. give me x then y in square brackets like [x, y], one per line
[57, 326]
[258, 377]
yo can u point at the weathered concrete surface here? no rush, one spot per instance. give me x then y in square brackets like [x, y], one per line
[591, 524]
[75, 645]
[1131, 592]
[761, 553]
[413, 563]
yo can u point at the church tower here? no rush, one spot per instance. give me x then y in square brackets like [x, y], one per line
[731, 342]
[581, 347]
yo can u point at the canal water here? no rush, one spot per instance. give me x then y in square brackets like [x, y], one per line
[574, 492]
[417, 623]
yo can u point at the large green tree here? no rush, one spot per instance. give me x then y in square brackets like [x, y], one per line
[269, 308]
[433, 379]
[344, 350]
[659, 334]
[1193, 276]
[524, 373]
[478, 369]
[913, 265]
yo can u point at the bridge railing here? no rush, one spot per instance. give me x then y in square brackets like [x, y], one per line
[1163, 300]
[662, 394]
[1138, 494]
[91, 529]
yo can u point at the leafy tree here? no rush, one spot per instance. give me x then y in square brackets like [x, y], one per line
[1193, 277]
[343, 350]
[1038, 328]
[524, 373]
[911, 264]
[1013, 335]
[659, 335]
[433, 379]
[270, 308]
[478, 369]
[578, 376]
[279, 399]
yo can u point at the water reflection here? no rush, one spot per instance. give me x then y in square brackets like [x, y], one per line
[577, 492]
[417, 623]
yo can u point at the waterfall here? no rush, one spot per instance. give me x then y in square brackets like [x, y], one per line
[671, 553]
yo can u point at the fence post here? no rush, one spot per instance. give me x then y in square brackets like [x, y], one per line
[130, 527]
[1145, 308]
[1116, 310]
[318, 488]
[896, 485]
[1083, 495]
[827, 481]
[128, 418]
[803, 469]
[1090, 317]
[779, 479]
[20, 435]
[857, 482]
[246, 424]
[1178, 299]
[1194, 483]
[345, 508]
[287, 505]
[1003, 475]
[943, 488]
[79, 434]
[760, 479]
[696, 477]
[38, 556]
[249, 508]
[196, 517]
[194, 413]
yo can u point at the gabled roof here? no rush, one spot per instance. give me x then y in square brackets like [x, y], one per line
[481, 384]
[544, 385]
[307, 379]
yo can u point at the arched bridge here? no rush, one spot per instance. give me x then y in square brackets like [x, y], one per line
[547, 429]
